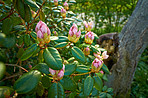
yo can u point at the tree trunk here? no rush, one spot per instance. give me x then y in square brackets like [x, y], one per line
[133, 39]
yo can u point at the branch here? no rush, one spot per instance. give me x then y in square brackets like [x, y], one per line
[10, 13]
[15, 75]
[16, 66]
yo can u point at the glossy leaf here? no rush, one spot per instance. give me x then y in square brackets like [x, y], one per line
[42, 15]
[98, 83]
[52, 58]
[7, 26]
[102, 95]
[20, 52]
[20, 8]
[2, 69]
[105, 69]
[27, 39]
[27, 82]
[70, 68]
[31, 3]
[88, 85]
[42, 67]
[62, 39]
[28, 14]
[78, 54]
[9, 42]
[82, 69]
[53, 38]
[40, 89]
[61, 45]
[29, 52]
[56, 91]
[46, 82]
[68, 83]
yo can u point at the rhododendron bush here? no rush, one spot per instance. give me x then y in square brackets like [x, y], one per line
[44, 52]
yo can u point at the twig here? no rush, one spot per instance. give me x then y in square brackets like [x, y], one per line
[16, 66]
[10, 13]
[15, 75]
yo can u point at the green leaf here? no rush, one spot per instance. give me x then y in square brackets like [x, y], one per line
[69, 19]
[56, 91]
[28, 14]
[70, 60]
[105, 69]
[52, 58]
[94, 92]
[88, 85]
[2, 70]
[56, 11]
[40, 89]
[104, 88]
[16, 20]
[29, 52]
[78, 54]
[7, 26]
[109, 96]
[110, 90]
[20, 52]
[70, 68]
[46, 81]
[61, 45]
[102, 95]
[31, 3]
[98, 83]
[27, 82]
[62, 39]
[27, 39]
[9, 42]
[42, 67]
[82, 69]
[20, 8]
[59, 20]
[2, 38]
[68, 83]
[53, 38]
[34, 35]
[42, 15]
[5, 91]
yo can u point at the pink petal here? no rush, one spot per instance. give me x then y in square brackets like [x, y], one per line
[52, 71]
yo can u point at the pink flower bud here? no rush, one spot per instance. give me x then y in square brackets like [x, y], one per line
[52, 71]
[86, 51]
[43, 33]
[104, 55]
[88, 26]
[30, 66]
[63, 13]
[78, 34]
[63, 10]
[60, 74]
[56, 2]
[74, 34]
[85, 24]
[97, 63]
[101, 72]
[89, 37]
[39, 34]
[65, 4]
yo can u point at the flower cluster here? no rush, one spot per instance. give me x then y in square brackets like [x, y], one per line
[89, 37]
[74, 34]
[97, 63]
[57, 74]
[43, 33]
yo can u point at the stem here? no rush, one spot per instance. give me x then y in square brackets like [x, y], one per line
[15, 65]
[15, 75]
[10, 13]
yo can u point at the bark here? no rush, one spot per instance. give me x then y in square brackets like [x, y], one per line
[133, 39]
